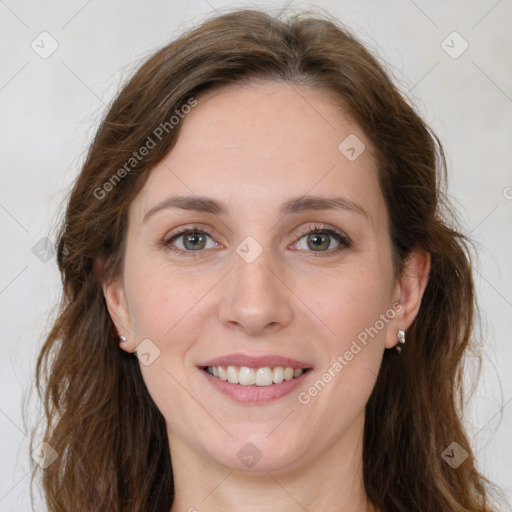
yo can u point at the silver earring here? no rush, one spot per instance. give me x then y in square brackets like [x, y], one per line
[122, 339]
[401, 340]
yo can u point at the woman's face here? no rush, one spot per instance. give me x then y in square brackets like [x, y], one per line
[254, 163]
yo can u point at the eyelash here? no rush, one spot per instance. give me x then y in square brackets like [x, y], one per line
[343, 240]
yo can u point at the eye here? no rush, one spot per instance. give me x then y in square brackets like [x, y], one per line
[320, 239]
[190, 240]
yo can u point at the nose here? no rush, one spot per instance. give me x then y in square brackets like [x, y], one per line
[256, 299]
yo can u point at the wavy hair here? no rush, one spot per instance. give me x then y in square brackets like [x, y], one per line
[92, 390]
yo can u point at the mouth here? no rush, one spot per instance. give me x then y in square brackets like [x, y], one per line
[255, 385]
[262, 376]
[255, 379]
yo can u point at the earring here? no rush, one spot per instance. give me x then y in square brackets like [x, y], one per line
[401, 340]
[122, 339]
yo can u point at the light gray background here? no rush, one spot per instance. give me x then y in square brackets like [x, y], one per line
[50, 109]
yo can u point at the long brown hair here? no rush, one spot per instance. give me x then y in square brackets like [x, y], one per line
[110, 439]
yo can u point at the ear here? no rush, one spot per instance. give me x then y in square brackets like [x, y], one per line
[410, 286]
[117, 305]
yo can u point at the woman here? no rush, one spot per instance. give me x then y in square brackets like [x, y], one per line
[206, 356]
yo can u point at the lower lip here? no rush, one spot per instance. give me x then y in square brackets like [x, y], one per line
[255, 394]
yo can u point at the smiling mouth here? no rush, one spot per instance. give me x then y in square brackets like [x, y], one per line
[246, 376]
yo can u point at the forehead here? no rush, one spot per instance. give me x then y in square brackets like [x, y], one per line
[255, 144]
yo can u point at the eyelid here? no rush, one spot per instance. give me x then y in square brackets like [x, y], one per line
[320, 226]
[188, 229]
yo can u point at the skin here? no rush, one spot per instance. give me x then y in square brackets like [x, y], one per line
[254, 146]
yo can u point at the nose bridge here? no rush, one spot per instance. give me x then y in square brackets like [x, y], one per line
[255, 298]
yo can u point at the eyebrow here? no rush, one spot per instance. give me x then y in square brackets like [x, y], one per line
[293, 205]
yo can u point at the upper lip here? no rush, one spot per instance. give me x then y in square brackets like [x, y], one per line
[254, 361]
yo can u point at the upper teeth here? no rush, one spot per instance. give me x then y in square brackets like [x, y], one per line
[250, 376]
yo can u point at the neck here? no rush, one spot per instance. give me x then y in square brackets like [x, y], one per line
[333, 480]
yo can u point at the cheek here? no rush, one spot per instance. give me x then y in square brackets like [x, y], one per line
[166, 308]
[162, 299]
[354, 300]
[352, 307]
[359, 312]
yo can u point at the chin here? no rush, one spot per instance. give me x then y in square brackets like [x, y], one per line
[258, 455]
